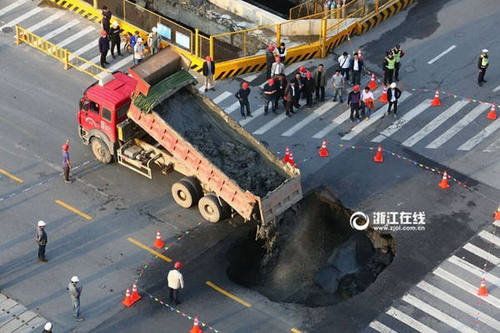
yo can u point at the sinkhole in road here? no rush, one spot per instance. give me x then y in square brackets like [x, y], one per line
[315, 258]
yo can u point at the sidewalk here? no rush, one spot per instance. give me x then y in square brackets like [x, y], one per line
[14, 317]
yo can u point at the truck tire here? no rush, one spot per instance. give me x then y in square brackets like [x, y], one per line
[184, 193]
[210, 209]
[101, 151]
[198, 191]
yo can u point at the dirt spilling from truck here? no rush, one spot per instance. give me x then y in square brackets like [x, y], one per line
[312, 257]
[220, 145]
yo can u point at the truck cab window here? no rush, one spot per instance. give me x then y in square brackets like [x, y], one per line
[94, 107]
[106, 114]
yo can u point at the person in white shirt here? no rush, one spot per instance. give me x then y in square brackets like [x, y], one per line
[175, 282]
[344, 64]
[367, 101]
[277, 68]
[138, 51]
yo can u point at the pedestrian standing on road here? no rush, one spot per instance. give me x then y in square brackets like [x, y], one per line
[138, 51]
[299, 85]
[389, 64]
[104, 48]
[132, 41]
[66, 163]
[208, 71]
[75, 291]
[367, 102]
[282, 83]
[309, 89]
[47, 328]
[242, 96]
[115, 39]
[354, 100]
[344, 64]
[175, 282]
[357, 68]
[281, 51]
[393, 95]
[269, 60]
[482, 63]
[277, 68]
[320, 83]
[291, 95]
[338, 84]
[398, 54]
[41, 239]
[154, 41]
[270, 91]
[106, 19]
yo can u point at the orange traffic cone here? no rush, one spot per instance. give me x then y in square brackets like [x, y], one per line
[497, 214]
[444, 181]
[492, 115]
[436, 101]
[158, 242]
[135, 295]
[372, 85]
[291, 161]
[196, 326]
[383, 98]
[482, 291]
[378, 158]
[127, 301]
[323, 152]
[286, 158]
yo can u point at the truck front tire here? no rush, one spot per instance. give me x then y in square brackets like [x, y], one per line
[184, 193]
[101, 151]
[210, 208]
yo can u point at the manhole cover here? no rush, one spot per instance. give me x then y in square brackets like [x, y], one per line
[409, 69]
[7, 29]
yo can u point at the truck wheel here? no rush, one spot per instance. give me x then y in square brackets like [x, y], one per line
[195, 184]
[210, 209]
[184, 193]
[100, 150]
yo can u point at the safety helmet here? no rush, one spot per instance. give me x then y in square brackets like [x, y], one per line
[356, 88]
[65, 147]
[244, 85]
[393, 85]
[139, 40]
[485, 51]
[104, 33]
[115, 24]
[270, 81]
[270, 48]
[154, 29]
[41, 223]
[302, 69]
[177, 265]
[75, 279]
[48, 326]
[308, 74]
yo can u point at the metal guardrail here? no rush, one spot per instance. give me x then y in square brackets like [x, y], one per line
[69, 59]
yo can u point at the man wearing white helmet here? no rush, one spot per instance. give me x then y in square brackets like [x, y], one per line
[47, 328]
[393, 95]
[138, 51]
[41, 239]
[154, 41]
[482, 63]
[114, 33]
[75, 291]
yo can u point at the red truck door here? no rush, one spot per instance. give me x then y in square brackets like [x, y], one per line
[90, 117]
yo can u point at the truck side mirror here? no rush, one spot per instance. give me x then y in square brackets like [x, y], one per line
[81, 105]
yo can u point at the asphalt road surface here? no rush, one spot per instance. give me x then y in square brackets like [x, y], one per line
[114, 213]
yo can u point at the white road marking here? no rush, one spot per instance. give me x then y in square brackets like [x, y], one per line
[76, 36]
[251, 77]
[375, 116]
[433, 60]
[126, 60]
[490, 237]
[317, 113]
[379, 327]
[493, 147]
[482, 253]
[490, 278]
[222, 97]
[497, 223]
[233, 107]
[456, 303]
[435, 123]
[484, 133]
[94, 60]
[276, 120]
[11, 7]
[61, 29]
[85, 48]
[409, 321]
[23, 17]
[496, 89]
[46, 21]
[398, 124]
[255, 114]
[441, 316]
[461, 124]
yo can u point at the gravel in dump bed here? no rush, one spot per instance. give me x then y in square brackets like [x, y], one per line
[220, 144]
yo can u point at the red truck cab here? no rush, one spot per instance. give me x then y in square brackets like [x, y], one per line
[102, 108]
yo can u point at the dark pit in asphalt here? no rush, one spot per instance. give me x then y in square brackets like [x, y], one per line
[315, 258]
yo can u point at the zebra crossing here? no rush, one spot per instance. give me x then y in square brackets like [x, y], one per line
[446, 300]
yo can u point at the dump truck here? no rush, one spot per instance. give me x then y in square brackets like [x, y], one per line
[155, 117]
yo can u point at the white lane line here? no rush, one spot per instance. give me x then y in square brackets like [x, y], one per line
[493, 147]
[375, 116]
[379, 327]
[11, 7]
[398, 124]
[456, 303]
[76, 36]
[222, 97]
[276, 120]
[23, 17]
[497, 223]
[233, 107]
[490, 237]
[461, 124]
[484, 133]
[251, 77]
[433, 60]
[409, 321]
[255, 114]
[94, 60]
[490, 278]
[46, 21]
[496, 89]
[316, 114]
[85, 48]
[482, 253]
[441, 316]
[61, 29]
[469, 288]
[126, 60]
[434, 123]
